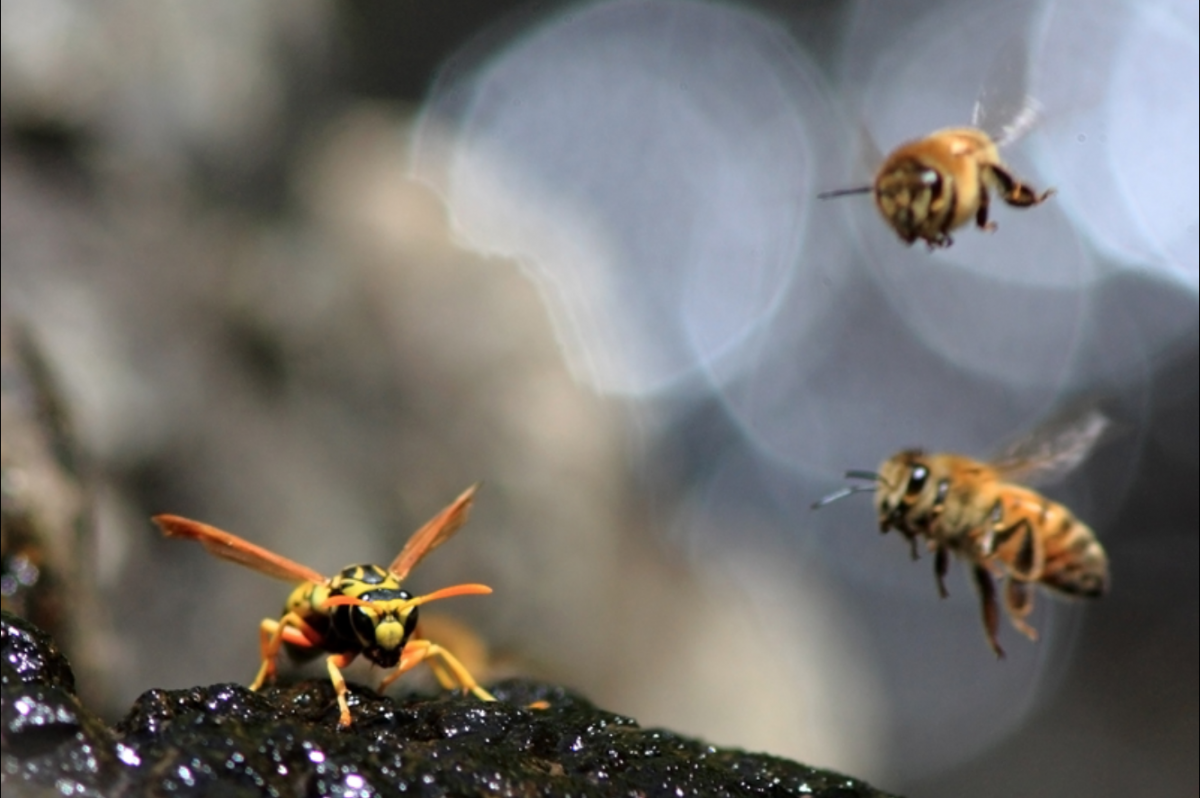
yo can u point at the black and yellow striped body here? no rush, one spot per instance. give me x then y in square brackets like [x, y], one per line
[378, 632]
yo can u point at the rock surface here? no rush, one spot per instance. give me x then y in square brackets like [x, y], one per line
[225, 740]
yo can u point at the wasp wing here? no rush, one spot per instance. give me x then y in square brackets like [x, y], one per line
[230, 547]
[436, 531]
[1052, 451]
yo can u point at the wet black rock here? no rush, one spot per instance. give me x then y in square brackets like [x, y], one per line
[285, 741]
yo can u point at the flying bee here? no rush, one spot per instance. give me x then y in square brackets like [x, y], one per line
[1004, 530]
[362, 610]
[930, 186]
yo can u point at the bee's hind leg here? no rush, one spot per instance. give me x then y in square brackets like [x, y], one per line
[1018, 600]
[991, 609]
[1013, 191]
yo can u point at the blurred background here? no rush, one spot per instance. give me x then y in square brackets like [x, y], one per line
[305, 270]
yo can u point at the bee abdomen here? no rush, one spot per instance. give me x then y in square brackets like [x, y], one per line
[1075, 561]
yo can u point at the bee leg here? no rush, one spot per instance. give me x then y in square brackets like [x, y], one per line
[1018, 600]
[335, 663]
[913, 552]
[1014, 192]
[941, 564]
[981, 215]
[991, 610]
[291, 628]
[1026, 563]
[449, 671]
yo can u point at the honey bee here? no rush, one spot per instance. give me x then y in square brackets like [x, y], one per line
[978, 511]
[930, 186]
[361, 610]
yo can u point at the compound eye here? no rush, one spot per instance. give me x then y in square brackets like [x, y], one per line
[933, 180]
[363, 623]
[916, 481]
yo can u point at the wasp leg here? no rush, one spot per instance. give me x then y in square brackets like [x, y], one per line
[1014, 192]
[291, 628]
[1018, 600]
[941, 564]
[335, 663]
[991, 611]
[449, 671]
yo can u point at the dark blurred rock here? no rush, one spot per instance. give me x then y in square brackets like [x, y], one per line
[41, 515]
[285, 741]
[47, 739]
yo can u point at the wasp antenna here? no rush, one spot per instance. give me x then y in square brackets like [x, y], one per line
[841, 494]
[843, 192]
[449, 592]
[344, 601]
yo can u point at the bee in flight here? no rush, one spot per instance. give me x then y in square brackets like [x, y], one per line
[1004, 530]
[361, 610]
[930, 186]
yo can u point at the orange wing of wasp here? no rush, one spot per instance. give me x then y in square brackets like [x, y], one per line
[230, 547]
[437, 530]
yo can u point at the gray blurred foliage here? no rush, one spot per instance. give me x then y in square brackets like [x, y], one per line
[256, 318]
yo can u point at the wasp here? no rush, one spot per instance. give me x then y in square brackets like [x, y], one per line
[361, 610]
[982, 513]
[930, 186]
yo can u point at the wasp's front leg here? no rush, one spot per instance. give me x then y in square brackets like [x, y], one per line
[449, 671]
[335, 663]
[292, 629]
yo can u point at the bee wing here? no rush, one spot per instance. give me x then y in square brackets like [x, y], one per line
[437, 530]
[1053, 451]
[1004, 109]
[869, 154]
[230, 547]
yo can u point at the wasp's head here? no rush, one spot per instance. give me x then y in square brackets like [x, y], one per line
[382, 624]
[374, 612]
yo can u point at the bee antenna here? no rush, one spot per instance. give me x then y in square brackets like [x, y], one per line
[871, 475]
[842, 192]
[841, 494]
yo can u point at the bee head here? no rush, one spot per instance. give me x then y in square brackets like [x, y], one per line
[910, 195]
[902, 479]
